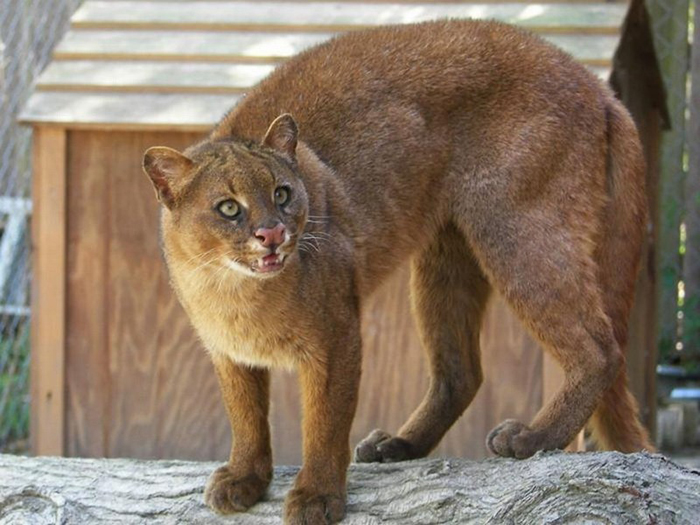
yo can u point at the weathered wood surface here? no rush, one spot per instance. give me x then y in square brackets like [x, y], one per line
[548, 488]
[47, 367]
[254, 46]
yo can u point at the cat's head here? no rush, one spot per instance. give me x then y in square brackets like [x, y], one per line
[231, 204]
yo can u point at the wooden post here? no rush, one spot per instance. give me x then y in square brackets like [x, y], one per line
[48, 292]
[636, 79]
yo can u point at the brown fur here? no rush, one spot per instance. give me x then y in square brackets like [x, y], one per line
[487, 157]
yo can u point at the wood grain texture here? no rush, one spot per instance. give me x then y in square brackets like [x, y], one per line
[548, 488]
[87, 349]
[138, 382]
[48, 328]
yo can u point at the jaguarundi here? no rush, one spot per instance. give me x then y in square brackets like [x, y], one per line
[488, 158]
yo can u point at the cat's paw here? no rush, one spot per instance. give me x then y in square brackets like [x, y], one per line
[380, 447]
[513, 439]
[307, 507]
[228, 492]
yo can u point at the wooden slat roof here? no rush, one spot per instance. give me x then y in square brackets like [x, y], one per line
[257, 47]
[338, 16]
[181, 65]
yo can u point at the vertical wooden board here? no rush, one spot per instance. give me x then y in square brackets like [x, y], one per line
[165, 400]
[191, 421]
[48, 292]
[87, 351]
[132, 288]
[642, 347]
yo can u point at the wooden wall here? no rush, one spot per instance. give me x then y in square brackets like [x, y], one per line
[138, 383]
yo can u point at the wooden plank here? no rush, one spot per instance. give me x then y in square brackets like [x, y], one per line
[164, 394]
[184, 45]
[134, 111]
[259, 47]
[87, 354]
[134, 390]
[155, 77]
[337, 16]
[48, 292]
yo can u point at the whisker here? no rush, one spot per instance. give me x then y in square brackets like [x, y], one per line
[205, 263]
[220, 274]
[317, 232]
[200, 255]
[309, 235]
[310, 244]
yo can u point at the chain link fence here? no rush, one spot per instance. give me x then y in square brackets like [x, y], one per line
[29, 30]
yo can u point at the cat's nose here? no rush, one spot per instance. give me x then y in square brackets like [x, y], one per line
[271, 236]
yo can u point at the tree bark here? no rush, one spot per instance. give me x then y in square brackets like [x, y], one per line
[606, 487]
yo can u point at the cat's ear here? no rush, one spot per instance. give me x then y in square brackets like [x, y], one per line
[282, 136]
[168, 170]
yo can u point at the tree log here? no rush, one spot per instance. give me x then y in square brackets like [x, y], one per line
[556, 487]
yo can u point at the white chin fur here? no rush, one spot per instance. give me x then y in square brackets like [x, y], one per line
[241, 268]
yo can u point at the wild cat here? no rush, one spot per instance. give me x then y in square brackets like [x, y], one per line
[485, 156]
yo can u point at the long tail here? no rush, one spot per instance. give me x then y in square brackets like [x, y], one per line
[615, 424]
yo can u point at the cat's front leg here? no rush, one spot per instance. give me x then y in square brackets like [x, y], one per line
[240, 483]
[329, 389]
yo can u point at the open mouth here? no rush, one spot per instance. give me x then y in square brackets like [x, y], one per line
[272, 262]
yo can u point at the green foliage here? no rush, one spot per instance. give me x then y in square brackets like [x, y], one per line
[14, 387]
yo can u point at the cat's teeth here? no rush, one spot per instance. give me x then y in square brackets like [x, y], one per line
[271, 262]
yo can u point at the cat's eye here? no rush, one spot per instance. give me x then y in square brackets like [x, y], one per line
[229, 209]
[281, 195]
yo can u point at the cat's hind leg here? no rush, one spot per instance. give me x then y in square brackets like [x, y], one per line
[539, 257]
[449, 294]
